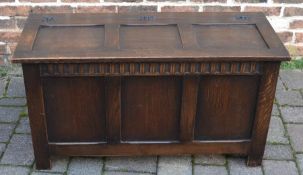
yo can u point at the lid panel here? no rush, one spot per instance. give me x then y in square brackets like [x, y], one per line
[231, 36]
[150, 37]
[52, 39]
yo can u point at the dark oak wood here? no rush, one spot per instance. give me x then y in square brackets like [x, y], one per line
[75, 109]
[237, 147]
[226, 107]
[35, 104]
[112, 36]
[113, 109]
[266, 97]
[150, 108]
[149, 84]
[165, 36]
[150, 69]
[189, 107]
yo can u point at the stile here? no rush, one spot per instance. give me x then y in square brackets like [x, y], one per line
[188, 108]
[266, 97]
[112, 36]
[35, 103]
[113, 112]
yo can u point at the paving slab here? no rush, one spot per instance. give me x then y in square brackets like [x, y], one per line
[85, 166]
[135, 164]
[237, 166]
[44, 173]
[293, 79]
[2, 148]
[16, 87]
[176, 165]
[19, 151]
[280, 85]
[276, 133]
[291, 98]
[12, 102]
[210, 159]
[274, 167]
[9, 114]
[210, 170]
[295, 132]
[6, 130]
[13, 170]
[300, 162]
[15, 70]
[3, 82]
[59, 165]
[23, 126]
[292, 114]
[275, 110]
[278, 152]
[124, 173]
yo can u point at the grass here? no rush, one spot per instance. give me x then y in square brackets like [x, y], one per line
[3, 71]
[293, 64]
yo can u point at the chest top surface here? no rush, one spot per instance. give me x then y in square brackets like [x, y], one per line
[148, 37]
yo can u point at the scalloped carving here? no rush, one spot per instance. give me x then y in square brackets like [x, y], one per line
[126, 69]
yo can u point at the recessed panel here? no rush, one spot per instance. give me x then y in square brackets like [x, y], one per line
[69, 38]
[150, 108]
[150, 37]
[229, 36]
[226, 106]
[75, 109]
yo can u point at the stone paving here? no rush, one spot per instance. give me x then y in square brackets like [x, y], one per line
[283, 154]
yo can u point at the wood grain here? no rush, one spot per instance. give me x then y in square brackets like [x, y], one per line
[240, 147]
[226, 107]
[75, 109]
[188, 108]
[167, 37]
[113, 109]
[266, 97]
[150, 108]
[177, 83]
[151, 69]
[36, 111]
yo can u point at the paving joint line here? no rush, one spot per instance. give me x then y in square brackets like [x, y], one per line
[192, 163]
[67, 166]
[283, 83]
[290, 142]
[13, 133]
[227, 165]
[103, 166]
[6, 86]
[157, 163]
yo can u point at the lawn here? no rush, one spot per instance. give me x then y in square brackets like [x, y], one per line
[293, 64]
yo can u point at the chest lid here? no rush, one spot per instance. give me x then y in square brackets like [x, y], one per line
[148, 37]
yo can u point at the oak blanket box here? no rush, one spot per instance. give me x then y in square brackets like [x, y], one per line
[149, 84]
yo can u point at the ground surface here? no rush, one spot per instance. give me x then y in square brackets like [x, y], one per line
[283, 155]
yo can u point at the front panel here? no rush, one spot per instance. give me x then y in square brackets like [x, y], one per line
[226, 107]
[150, 108]
[75, 109]
[148, 104]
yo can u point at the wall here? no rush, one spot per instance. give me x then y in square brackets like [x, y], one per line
[286, 16]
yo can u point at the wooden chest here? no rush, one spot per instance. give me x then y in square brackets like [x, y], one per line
[149, 84]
